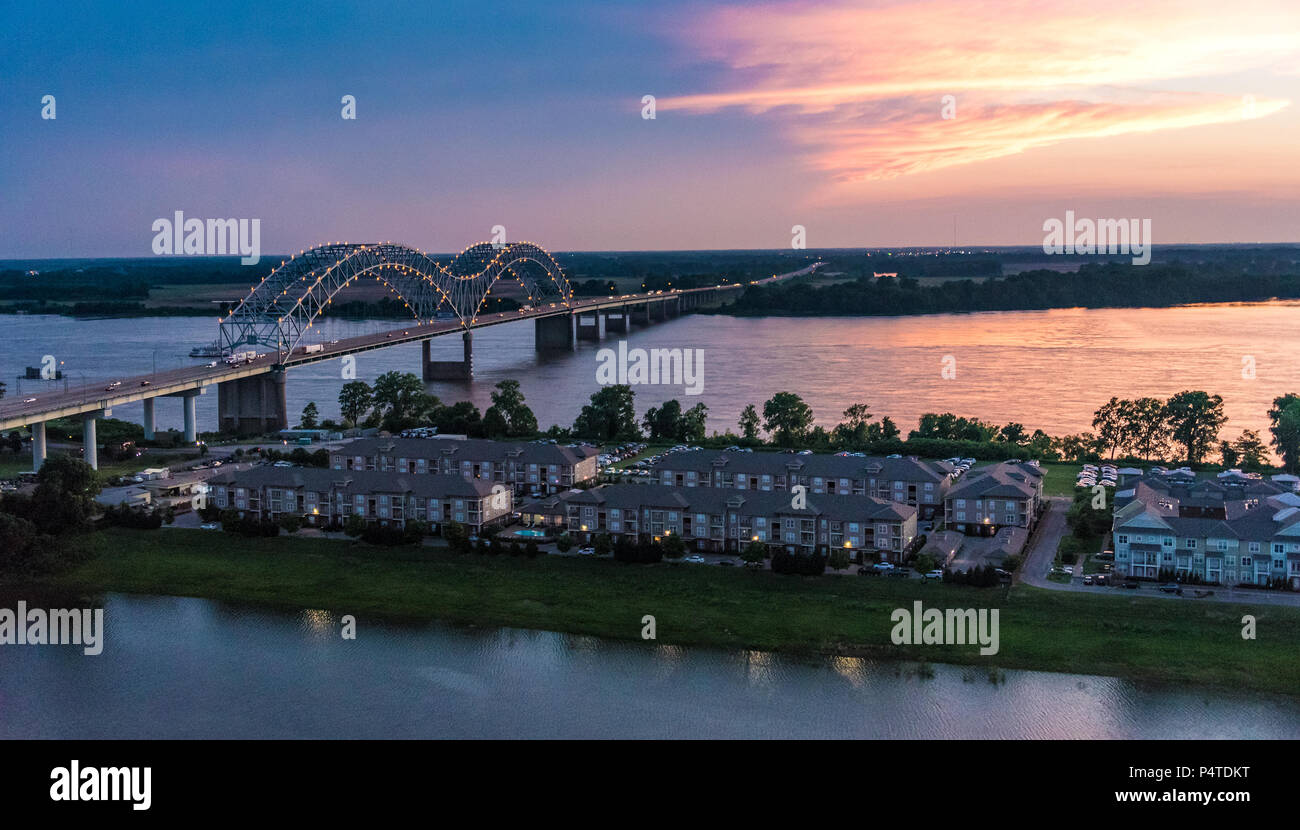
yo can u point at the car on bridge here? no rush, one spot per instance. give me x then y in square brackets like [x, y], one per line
[29, 400]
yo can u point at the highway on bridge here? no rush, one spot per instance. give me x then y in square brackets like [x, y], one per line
[110, 392]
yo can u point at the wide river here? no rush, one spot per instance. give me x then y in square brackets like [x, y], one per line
[189, 668]
[1044, 369]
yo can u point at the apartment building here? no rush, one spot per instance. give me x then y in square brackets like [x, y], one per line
[1228, 530]
[525, 467]
[322, 497]
[725, 519]
[906, 480]
[990, 498]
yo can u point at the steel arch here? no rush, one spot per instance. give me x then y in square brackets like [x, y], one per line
[279, 311]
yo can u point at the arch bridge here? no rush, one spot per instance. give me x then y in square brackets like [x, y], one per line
[283, 307]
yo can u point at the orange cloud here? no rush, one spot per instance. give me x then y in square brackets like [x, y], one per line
[860, 85]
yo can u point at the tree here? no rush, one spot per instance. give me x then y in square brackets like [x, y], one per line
[398, 395]
[64, 499]
[290, 523]
[355, 400]
[1013, 433]
[749, 422]
[787, 417]
[563, 542]
[457, 537]
[839, 559]
[508, 416]
[755, 553]
[1285, 418]
[1108, 421]
[673, 546]
[355, 525]
[310, 416]
[1145, 426]
[662, 422]
[603, 544]
[1228, 454]
[610, 415]
[1195, 419]
[690, 427]
[1253, 452]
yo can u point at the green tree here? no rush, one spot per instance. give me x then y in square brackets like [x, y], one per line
[1108, 421]
[662, 422]
[310, 416]
[1228, 454]
[355, 400]
[749, 422]
[787, 418]
[508, 415]
[673, 546]
[603, 544]
[1013, 433]
[563, 542]
[64, 499]
[755, 553]
[1195, 419]
[457, 537]
[853, 431]
[1252, 450]
[610, 415]
[398, 395]
[290, 523]
[1145, 426]
[1285, 429]
[691, 424]
[838, 559]
[355, 525]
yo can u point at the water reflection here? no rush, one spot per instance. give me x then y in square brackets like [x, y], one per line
[176, 667]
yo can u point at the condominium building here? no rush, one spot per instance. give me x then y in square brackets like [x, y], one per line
[1232, 529]
[323, 497]
[990, 498]
[526, 467]
[906, 480]
[722, 519]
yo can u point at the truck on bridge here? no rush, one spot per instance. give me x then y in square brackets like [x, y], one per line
[237, 358]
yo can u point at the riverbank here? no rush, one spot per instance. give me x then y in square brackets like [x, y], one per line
[694, 605]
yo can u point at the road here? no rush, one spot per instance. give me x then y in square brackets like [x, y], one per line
[21, 410]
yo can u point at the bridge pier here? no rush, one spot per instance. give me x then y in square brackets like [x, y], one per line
[150, 422]
[450, 369]
[640, 314]
[89, 437]
[249, 406]
[590, 327]
[556, 332]
[38, 445]
[189, 400]
[617, 321]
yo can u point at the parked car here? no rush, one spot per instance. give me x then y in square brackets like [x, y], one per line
[1132, 583]
[882, 567]
[588, 551]
[1087, 580]
[694, 559]
[935, 574]
[1171, 588]
[210, 526]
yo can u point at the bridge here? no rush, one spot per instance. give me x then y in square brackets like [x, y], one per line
[280, 312]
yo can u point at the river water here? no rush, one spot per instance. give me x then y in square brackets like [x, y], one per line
[189, 668]
[1044, 369]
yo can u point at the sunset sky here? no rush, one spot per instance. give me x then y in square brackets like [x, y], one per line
[469, 115]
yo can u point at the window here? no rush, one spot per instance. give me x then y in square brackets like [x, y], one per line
[1121, 539]
[1253, 547]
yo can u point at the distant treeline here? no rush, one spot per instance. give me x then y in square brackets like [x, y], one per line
[1093, 286]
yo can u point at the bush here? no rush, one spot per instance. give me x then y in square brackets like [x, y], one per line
[290, 523]
[805, 564]
[531, 550]
[387, 535]
[138, 518]
[839, 559]
[457, 537]
[354, 525]
[564, 543]
[673, 546]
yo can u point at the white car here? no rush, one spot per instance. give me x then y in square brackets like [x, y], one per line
[210, 526]
[694, 558]
[883, 567]
[935, 574]
[586, 551]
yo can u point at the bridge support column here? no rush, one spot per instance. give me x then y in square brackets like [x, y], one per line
[616, 321]
[252, 405]
[450, 369]
[38, 445]
[150, 422]
[673, 308]
[88, 440]
[591, 327]
[554, 332]
[189, 400]
[641, 314]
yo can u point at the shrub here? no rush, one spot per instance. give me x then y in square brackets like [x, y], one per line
[564, 543]
[354, 525]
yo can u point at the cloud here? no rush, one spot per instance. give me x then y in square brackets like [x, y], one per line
[859, 86]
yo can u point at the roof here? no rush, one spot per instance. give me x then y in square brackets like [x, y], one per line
[319, 479]
[471, 449]
[1005, 480]
[716, 500]
[816, 465]
[1233, 508]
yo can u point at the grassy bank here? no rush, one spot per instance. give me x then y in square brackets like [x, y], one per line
[1161, 640]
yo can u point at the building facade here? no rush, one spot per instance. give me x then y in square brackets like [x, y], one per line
[325, 497]
[993, 497]
[525, 467]
[722, 519]
[1228, 531]
[906, 480]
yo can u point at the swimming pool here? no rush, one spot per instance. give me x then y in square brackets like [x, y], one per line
[538, 533]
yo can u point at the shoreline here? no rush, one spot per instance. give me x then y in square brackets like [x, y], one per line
[1138, 639]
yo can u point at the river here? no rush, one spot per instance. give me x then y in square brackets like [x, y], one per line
[1043, 369]
[189, 668]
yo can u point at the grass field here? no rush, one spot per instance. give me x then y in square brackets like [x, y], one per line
[1118, 635]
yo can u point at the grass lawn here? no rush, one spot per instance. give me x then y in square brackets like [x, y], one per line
[1117, 635]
